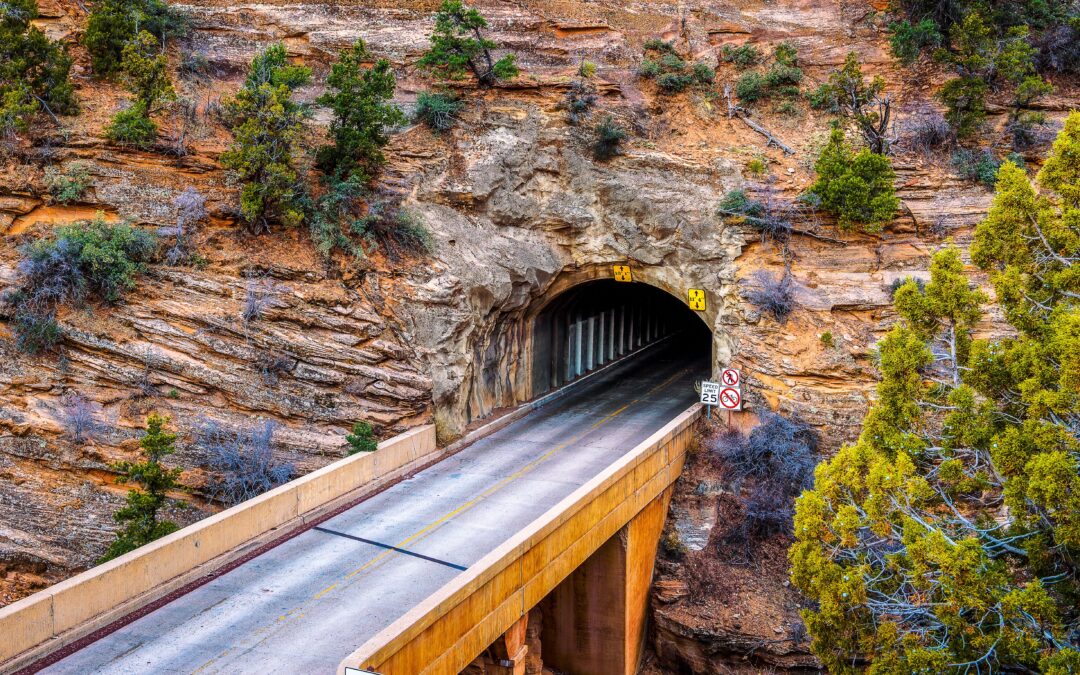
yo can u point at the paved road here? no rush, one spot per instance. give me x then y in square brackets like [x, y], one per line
[306, 604]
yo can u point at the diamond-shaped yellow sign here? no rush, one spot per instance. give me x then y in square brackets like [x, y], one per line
[696, 299]
[622, 272]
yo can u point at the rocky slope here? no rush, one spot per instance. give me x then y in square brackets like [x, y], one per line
[515, 202]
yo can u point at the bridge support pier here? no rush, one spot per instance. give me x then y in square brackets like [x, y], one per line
[594, 621]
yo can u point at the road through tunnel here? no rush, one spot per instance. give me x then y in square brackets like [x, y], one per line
[596, 323]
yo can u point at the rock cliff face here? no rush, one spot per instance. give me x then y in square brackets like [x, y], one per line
[519, 210]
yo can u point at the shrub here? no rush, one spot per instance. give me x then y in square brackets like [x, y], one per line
[69, 185]
[673, 83]
[750, 87]
[787, 108]
[242, 461]
[396, 231]
[132, 127]
[757, 167]
[649, 68]
[190, 208]
[920, 285]
[779, 77]
[194, 65]
[360, 101]
[965, 100]
[826, 339]
[824, 97]
[259, 296]
[658, 45]
[786, 55]
[34, 70]
[362, 439]
[926, 133]
[266, 125]
[978, 166]
[743, 56]
[140, 515]
[908, 39]
[773, 294]
[78, 417]
[580, 99]
[587, 69]
[864, 102]
[35, 332]
[703, 73]
[672, 546]
[857, 188]
[89, 257]
[437, 110]
[271, 366]
[458, 47]
[766, 469]
[608, 139]
[1028, 130]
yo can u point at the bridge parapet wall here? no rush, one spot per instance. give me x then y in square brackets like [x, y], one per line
[86, 602]
[447, 631]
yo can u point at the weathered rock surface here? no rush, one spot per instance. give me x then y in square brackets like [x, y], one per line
[517, 207]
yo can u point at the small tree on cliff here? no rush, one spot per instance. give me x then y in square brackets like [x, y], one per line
[360, 99]
[856, 187]
[946, 539]
[863, 102]
[458, 47]
[140, 516]
[33, 69]
[266, 124]
[146, 72]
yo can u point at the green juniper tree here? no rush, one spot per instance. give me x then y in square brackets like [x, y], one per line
[946, 539]
[33, 69]
[266, 126]
[359, 98]
[362, 439]
[864, 102]
[856, 187]
[459, 48]
[139, 516]
[146, 72]
[114, 23]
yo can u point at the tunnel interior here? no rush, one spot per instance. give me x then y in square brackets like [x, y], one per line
[593, 324]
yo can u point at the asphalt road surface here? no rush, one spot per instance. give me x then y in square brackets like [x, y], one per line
[306, 604]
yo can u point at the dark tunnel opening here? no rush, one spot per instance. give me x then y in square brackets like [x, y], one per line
[596, 323]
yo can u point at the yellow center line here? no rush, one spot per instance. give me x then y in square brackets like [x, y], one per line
[502, 483]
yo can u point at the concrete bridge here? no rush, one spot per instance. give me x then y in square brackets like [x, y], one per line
[416, 559]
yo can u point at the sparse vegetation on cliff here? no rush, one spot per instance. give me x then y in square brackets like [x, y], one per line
[34, 70]
[359, 98]
[145, 70]
[92, 259]
[266, 123]
[855, 187]
[459, 48]
[946, 538]
[139, 517]
[114, 23]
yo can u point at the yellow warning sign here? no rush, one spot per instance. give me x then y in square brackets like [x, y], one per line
[696, 298]
[622, 272]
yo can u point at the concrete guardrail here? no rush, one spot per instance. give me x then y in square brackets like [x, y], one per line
[75, 607]
[447, 630]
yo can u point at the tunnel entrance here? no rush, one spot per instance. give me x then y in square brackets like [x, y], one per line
[598, 322]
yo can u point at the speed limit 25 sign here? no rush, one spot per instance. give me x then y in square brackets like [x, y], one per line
[710, 393]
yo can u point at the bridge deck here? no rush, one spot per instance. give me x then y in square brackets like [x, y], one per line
[306, 604]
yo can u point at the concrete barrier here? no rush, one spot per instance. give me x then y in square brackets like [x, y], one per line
[143, 575]
[446, 631]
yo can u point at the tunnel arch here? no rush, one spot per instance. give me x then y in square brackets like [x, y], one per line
[583, 325]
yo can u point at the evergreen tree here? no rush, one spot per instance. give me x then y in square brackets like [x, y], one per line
[359, 99]
[857, 188]
[266, 125]
[863, 102]
[146, 72]
[946, 539]
[114, 23]
[33, 69]
[140, 516]
[458, 47]
[362, 439]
